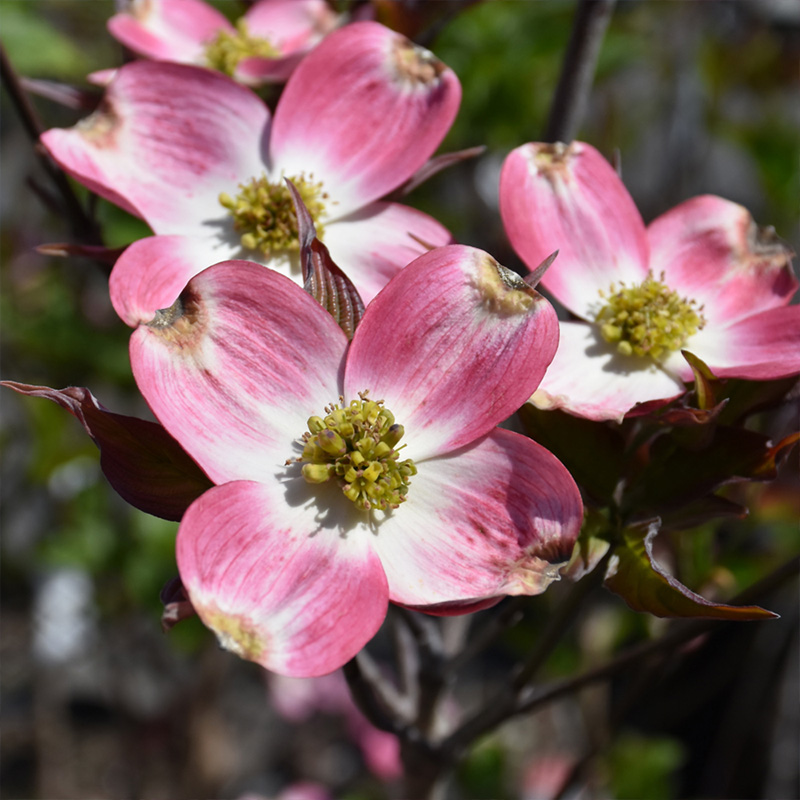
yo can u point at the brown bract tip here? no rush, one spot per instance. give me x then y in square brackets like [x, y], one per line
[763, 241]
[100, 126]
[502, 290]
[416, 65]
[183, 322]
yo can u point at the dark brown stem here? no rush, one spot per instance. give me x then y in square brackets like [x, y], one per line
[684, 631]
[83, 227]
[577, 72]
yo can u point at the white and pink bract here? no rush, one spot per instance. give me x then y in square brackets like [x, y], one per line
[363, 112]
[181, 31]
[706, 250]
[290, 573]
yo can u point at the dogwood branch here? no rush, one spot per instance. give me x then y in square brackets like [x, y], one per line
[577, 72]
[82, 225]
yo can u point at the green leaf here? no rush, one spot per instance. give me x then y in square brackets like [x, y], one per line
[634, 575]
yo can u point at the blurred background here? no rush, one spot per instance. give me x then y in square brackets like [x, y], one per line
[97, 702]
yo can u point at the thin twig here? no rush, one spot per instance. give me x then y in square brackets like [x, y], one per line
[83, 227]
[508, 615]
[375, 697]
[558, 623]
[684, 631]
[577, 72]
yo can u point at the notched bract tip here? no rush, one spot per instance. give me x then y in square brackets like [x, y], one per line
[416, 65]
[502, 290]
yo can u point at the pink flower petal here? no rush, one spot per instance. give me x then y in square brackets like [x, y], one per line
[237, 369]
[495, 518]
[168, 30]
[363, 111]
[762, 347]
[291, 25]
[372, 245]
[569, 198]
[165, 142]
[276, 584]
[453, 346]
[152, 272]
[712, 251]
[590, 379]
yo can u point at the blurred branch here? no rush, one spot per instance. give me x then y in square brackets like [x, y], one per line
[375, 697]
[503, 709]
[577, 71]
[83, 227]
[510, 613]
[646, 678]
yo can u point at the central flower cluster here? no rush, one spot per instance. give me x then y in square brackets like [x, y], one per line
[649, 319]
[263, 212]
[228, 48]
[356, 445]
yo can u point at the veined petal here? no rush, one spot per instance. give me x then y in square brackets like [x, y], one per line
[274, 587]
[454, 345]
[167, 139]
[569, 198]
[373, 244]
[291, 25]
[168, 30]
[711, 250]
[762, 347]
[589, 378]
[496, 518]
[235, 369]
[152, 272]
[363, 111]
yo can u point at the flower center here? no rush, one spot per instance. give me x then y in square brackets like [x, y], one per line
[263, 212]
[228, 48]
[356, 445]
[649, 319]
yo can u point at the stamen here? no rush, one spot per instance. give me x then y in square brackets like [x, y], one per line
[356, 445]
[263, 212]
[649, 319]
[227, 48]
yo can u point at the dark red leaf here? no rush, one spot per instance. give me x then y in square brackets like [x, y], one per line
[143, 463]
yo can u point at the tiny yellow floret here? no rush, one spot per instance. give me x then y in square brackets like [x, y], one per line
[228, 48]
[264, 216]
[356, 445]
[649, 319]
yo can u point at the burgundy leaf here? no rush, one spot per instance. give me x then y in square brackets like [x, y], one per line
[143, 463]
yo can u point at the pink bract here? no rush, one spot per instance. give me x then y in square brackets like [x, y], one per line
[363, 112]
[708, 250]
[180, 30]
[295, 576]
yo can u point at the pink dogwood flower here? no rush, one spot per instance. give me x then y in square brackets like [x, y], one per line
[265, 45]
[198, 157]
[353, 474]
[702, 278]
